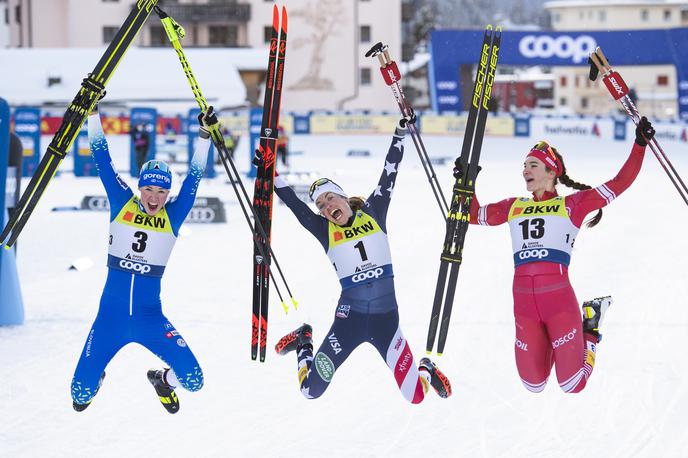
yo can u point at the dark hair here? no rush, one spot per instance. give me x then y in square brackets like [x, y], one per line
[567, 181]
[356, 203]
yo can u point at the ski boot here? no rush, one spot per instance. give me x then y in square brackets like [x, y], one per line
[438, 381]
[593, 314]
[165, 392]
[295, 340]
[82, 407]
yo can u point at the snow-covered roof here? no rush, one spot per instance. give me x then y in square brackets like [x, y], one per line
[145, 76]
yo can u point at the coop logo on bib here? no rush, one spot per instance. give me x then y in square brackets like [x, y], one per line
[530, 254]
[135, 266]
[367, 275]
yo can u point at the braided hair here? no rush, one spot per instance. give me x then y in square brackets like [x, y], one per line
[567, 181]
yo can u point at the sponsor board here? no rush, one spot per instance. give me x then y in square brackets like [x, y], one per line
[205, 210]
[502, 126]
[589, 127]
[353, 123]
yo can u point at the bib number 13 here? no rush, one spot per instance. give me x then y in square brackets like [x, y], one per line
[532, 228]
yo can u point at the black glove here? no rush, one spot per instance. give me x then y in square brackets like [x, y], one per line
[206, 120]
[458, 170]
[257, 158]
[644, 129]
[95, 107]
[408, 119]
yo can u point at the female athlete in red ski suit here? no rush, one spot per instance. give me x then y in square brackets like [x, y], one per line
[543, 230]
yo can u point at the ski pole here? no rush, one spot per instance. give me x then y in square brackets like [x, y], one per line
[175, 32]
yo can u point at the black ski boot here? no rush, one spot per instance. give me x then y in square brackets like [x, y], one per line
[438, 381]
[593, 314]
[295, 340]
[165, 392]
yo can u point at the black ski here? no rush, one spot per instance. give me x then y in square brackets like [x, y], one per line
[464, 189]
[77, 112]
[264, 184]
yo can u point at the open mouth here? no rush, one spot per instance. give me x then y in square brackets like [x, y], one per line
[152, 206]
[530, 180]
[336, 214]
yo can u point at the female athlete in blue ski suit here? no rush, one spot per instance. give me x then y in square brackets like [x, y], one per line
[367, 309]
[139, 247]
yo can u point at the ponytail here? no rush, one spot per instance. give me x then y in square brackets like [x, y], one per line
[567, 181]
[356, 203]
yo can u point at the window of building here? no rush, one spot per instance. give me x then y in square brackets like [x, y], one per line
[684, 15]
[644, 15]
[602, 15]
[365, 77]
[581, 15]
[17, 14]
[667, 15]
[223, 35]
[562, 81]
[7, 15]
[158, 37]
[576, 81]
[365, 34]
[584, 102]
[662, 80]
[267, 33]
[556, 17]
[562, 101]
[109, 33]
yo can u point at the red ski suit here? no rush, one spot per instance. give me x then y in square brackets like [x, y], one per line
[548, 320]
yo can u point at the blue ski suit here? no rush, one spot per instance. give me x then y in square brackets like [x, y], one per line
[367, 309]
[139, 246]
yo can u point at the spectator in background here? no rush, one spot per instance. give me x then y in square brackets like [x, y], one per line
[282, 145]
[141, 143]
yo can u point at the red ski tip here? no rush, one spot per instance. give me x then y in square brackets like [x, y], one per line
[284, 19]
[275, 17]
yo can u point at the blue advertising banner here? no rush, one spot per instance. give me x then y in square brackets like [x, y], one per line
[27, 126]
[142, 127]
[11, 306]
[451, 48]
[192, 132]
[255, 120]
[84, 165]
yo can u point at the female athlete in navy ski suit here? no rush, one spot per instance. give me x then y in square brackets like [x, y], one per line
[543, 229]
[142, 234]
[355, 239]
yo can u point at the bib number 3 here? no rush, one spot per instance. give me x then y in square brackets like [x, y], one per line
[140, 245]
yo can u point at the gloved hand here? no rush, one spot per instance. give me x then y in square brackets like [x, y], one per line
[95, 107]
[458, 170]
[409, 119]
[257, 158]
[206, 120]
[644, 129]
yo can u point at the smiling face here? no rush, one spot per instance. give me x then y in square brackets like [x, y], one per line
[334, 207]
[153, 198]
[538, 179]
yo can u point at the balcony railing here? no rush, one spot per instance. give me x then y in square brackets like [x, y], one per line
[209, 12]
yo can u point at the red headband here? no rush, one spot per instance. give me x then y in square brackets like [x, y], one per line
[547, 156]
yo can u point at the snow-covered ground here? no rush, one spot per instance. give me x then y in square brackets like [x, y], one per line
[634, 405]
